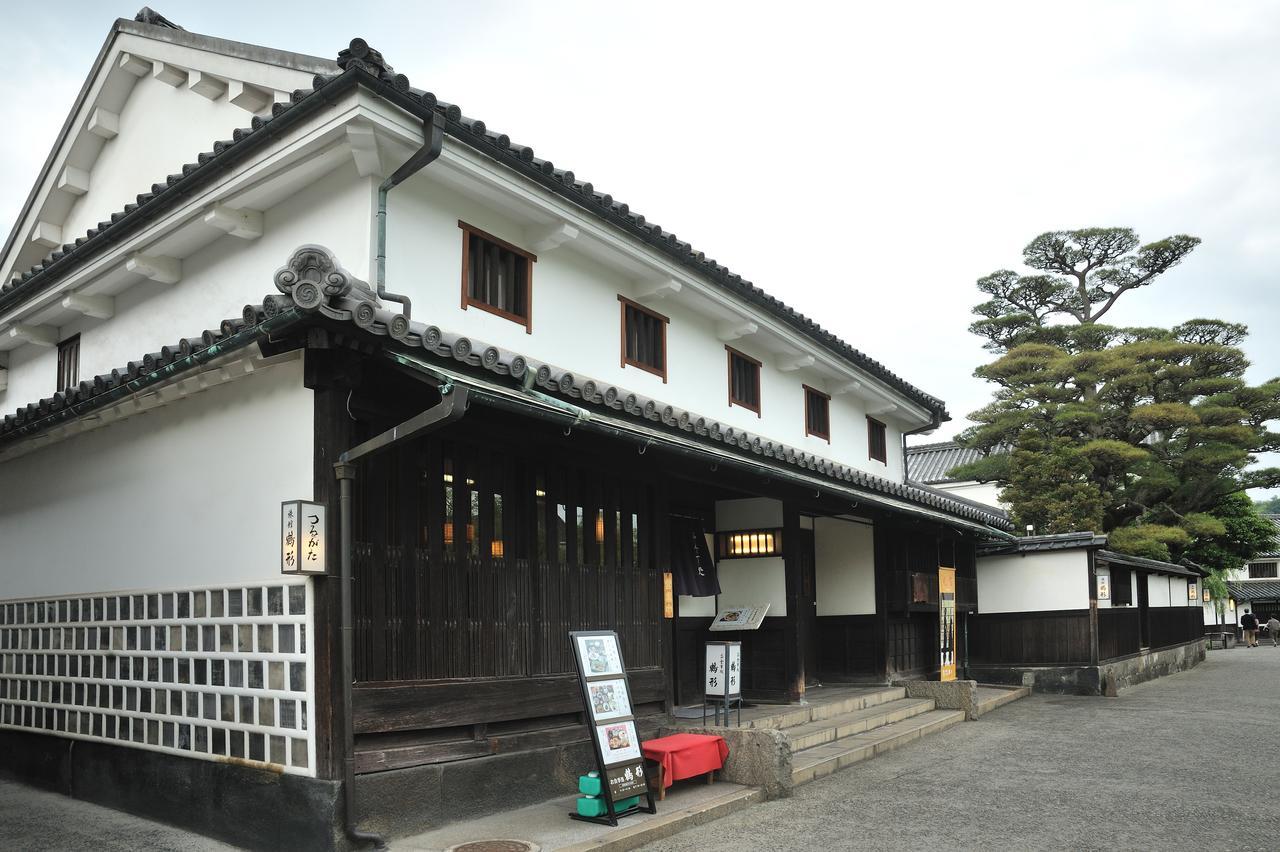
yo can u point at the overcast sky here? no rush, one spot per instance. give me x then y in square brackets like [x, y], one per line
[863, 162]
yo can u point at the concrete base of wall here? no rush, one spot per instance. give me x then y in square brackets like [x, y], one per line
[951, 695]
[246, 806]
[1096, 680]
[408, 801]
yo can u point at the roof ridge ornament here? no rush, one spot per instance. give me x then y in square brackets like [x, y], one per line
[360, 55]
[147, 15]
[313, 277]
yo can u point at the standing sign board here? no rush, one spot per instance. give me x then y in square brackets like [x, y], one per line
[722, 683]
[606, 697]
[947, 622]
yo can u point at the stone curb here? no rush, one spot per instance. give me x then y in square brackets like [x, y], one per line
[666, 824]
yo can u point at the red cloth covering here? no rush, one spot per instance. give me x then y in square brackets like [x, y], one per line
[686, 755]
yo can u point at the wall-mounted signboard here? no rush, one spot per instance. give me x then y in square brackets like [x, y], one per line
[606, 697]
[1104, 586]
[947, 623]
[740, 617]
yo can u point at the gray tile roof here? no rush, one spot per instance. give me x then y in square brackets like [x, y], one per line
[1110, 556]
[1252, 590]
[314, 289]
[363, 65]
[1043, 543]
[933, 463]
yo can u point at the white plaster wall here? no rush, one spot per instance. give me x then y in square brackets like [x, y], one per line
[982, 492]
[1158, 590]
[162, 127]
[695, 607]
[1033, 582]
[185, 495]
[845, 567]
[217, 281]
[751, 581]
[576, 319]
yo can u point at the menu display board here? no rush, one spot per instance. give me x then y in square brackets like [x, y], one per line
[740, 617]
[606, 695]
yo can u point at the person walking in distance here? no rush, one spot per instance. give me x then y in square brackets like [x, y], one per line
[1273, 629]
[1249, 623]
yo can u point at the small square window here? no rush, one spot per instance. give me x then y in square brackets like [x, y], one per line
[817, 413]
[644, 338]
[68, 363]
[877, 443]
[496, 277]
[744, 381]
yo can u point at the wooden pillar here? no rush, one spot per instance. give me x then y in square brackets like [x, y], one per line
[330, 374]
[880, 538]
[793, 637]
[1093, 610]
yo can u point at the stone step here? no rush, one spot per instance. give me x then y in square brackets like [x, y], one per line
[806, 713]
[829, 730]
[634, 832]
[988, 698]
[823, 760]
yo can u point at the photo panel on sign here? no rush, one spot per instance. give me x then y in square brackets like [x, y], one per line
[618, 742]
[609, 699]
[598, 655]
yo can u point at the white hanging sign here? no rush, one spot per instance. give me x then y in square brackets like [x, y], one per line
[302, 538]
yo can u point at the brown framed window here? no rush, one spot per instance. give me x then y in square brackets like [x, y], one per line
[69, 363]
[496, 276]
[644, 338]
[877, 442]
[1262, 570]
[817, 413]
[744, 380]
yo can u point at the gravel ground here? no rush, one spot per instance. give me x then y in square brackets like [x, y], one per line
[32, 820]
[1158, 768]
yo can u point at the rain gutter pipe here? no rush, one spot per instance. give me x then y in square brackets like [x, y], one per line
[433, 133]
[452, 406]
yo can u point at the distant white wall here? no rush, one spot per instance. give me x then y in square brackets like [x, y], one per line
[845, 567]
[982, 492]
[1033, 582]
[751, 581]
[185, 495]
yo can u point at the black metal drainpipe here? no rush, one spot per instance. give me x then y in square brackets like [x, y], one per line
[452, 405]
[433, 131]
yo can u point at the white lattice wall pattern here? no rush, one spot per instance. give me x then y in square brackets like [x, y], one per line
[209, 673]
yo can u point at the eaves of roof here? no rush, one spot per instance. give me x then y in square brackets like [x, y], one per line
[1252, 590]
[1045, 543]
[365, 66]
[1110, 556]
[355, 311]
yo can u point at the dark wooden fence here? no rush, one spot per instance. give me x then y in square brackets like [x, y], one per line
[1175, 625]
[480, 617]
[1059, 637]
[1118, 632]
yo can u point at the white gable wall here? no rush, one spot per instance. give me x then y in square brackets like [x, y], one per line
[159, 500]
[845, 570]
[217, 281]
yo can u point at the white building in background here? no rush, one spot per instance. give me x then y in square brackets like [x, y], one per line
[1255, 587]
[931, 464]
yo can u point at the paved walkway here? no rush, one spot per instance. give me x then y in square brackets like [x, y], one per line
[1156, 768]
[33, 820]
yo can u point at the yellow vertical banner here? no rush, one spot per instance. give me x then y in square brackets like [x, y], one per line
[947, 622]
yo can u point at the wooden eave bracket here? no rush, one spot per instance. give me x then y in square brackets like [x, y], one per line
[165, 270]
[245, 224]
[37, 335]
[656, 291]
[550, 237]
[789, 362]
[98, 307]
[736, 329]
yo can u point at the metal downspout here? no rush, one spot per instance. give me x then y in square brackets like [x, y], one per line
[452, 406]
[434, 133]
